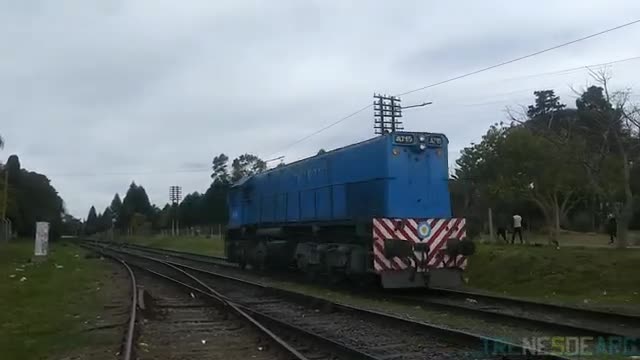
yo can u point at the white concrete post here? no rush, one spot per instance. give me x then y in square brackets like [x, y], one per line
[42, 239]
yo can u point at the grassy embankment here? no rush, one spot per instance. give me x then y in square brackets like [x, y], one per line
[572, 238]
[579, 275]
[583, 275]
[47, 308]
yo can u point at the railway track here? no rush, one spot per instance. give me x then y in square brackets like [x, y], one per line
[550, 318]
[126, 349]
[177, 324]
[572, 320]
[197, 324]
[368, 334]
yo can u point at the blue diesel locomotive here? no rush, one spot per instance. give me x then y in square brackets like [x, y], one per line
[375, 209]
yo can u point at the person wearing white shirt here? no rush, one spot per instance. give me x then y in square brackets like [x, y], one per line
[517, 228]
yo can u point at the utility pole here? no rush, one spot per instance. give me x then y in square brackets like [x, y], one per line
[387, 113]
[5, 224]
[175, 194]
[491, 236]
[5, 191]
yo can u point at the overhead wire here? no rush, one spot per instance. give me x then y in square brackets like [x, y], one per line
[344, 118]
[536, 53]
[478, 102]
[519, 58]
[127, 173]
[321, 129]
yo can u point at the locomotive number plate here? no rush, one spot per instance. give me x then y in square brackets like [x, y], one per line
[434, 141]
[403, 139]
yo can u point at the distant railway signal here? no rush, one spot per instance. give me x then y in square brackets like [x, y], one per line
[175, 195]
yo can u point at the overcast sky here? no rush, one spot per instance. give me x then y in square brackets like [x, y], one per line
[96, 94]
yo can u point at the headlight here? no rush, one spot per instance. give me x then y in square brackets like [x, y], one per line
[423, 146]
[422, 138]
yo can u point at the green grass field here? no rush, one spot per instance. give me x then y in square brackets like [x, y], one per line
[572, 238]
[48, 306]
[580, 275]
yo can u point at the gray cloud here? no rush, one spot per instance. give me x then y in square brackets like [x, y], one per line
[99, 94]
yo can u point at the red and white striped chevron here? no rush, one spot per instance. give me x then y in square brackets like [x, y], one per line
[407, 229]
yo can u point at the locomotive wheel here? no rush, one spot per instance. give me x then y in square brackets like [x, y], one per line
[260, 263]
[311, 273]
[334, 277]
[242, 260]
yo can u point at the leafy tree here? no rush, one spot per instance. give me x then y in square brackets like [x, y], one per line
[31, 198]
[116, 208]
[532, 169]
[91, 225]
[190, 210]
[13, 167]
[105, 220]
[71, 225]
[137, 221]
[163, 218]
[546, 104]
[608, 128]
[321, 151]
[514, 163]
[214, 204]
[246, 165]
[135, 201]
[220, 173]
[601, 135]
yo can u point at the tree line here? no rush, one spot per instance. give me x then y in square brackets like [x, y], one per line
[30, 198]
[135, 213]
[567, 167]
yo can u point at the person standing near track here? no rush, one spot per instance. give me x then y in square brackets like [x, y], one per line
[517, 228]
[503, 224]
[612, 228]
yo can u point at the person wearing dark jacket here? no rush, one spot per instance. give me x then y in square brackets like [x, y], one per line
[612, 228]
[502, 224]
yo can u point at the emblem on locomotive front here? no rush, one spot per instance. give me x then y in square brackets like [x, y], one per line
[424, 230]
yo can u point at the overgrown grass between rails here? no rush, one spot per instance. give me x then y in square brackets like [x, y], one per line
[46, 307]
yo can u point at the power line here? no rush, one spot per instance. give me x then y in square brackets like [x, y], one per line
[458, 78]
[126, 173]
[321, 130]
[208, 169]
[555, 72]
[519, 58]
[573, 69]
